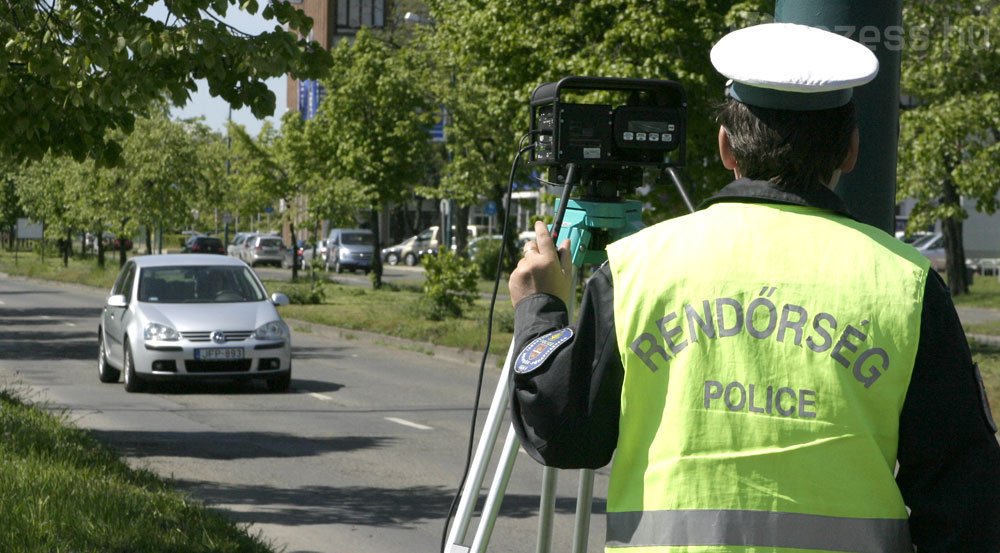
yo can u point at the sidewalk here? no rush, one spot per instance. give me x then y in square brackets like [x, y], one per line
[976, 315]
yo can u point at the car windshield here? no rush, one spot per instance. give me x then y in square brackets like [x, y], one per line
[357, 238]
[199, 284]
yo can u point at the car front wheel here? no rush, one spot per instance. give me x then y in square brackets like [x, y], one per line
[105, 372]
[410, 259]
[132, 382]
[392, 259]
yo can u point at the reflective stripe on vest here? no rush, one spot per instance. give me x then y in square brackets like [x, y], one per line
[759, 529]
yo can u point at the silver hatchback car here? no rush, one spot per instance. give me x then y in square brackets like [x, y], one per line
[192, 317]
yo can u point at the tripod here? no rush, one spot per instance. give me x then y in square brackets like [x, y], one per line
[590, 226]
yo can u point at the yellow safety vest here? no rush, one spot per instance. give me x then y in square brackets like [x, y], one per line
[767, 352]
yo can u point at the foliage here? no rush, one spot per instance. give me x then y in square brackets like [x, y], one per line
[485, 259]
[165, 171]
[299, 293]
[370, 133]
[72, 70]
[948, 146]
[63, 491]
[450, 284]
[497, 56]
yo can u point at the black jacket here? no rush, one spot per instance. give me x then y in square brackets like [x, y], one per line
[566, 410]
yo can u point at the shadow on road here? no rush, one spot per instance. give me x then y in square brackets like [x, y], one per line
[34, 345]
[230, 446]
[353, 505]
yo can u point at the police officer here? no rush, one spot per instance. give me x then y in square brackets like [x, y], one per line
[768, 372]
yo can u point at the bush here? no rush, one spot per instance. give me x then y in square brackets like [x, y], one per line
[450, 285]
[485, 259]
[311, 293]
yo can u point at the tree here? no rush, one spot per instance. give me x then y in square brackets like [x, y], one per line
[73, 70]
[268, 173]
[371, 130]
[949, 145]
[498, 56]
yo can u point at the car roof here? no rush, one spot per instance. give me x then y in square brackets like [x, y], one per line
[189, 259]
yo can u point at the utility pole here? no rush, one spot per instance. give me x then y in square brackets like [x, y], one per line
[870, 190]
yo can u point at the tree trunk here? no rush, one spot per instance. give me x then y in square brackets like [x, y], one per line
[958, 276]
[99, 242]
[295, 252]
[122, 257]
[377, 253]
[67, 247]
[461, 221]
[954, 247]
[149, 241]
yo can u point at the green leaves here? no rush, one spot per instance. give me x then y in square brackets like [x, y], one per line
[87, 67]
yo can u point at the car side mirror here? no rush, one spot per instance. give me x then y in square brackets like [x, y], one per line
[117, 300]
[278, 298]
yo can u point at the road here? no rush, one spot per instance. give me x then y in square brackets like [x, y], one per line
[362, 455]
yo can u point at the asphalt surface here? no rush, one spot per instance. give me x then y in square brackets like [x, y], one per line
[362, 455]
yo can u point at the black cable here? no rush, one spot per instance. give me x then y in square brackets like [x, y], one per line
[486, 350]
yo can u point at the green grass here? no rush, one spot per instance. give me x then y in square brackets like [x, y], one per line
[400, 313]
[64, 492]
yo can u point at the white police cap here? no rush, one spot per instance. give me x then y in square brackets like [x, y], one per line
[793, 67]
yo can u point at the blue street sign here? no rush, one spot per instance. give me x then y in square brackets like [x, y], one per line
[490, 208]
[311, 94]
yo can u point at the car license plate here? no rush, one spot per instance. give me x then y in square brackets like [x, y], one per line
[218, 354]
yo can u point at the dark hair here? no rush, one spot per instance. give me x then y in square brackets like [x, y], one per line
[789, 148]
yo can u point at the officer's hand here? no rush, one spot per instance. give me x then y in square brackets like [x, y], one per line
[543, 269]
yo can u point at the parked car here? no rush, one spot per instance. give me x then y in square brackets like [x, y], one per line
[192, 317]
[351, 249]
[427, 242]
[404, 251]
[264, 250]
[203, 244]
[235, 246]
[305, 255]
[932, 247]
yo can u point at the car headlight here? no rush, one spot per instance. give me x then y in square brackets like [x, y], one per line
[161, 333]
[274, 330]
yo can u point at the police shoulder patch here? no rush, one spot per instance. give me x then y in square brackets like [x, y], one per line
[536, 352]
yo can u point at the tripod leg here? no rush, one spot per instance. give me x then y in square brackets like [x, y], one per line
[497, 490]
[481, 460]
[584, 503]
[546, 510]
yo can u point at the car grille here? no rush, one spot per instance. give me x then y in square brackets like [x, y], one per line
[240, 365]
[231, 335]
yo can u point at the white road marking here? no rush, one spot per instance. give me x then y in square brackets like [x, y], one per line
[408, 423]
[70, 324]
[46, 317]
[320, 396]
[3, 302]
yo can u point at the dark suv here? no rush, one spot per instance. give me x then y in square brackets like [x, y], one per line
[203, 244]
